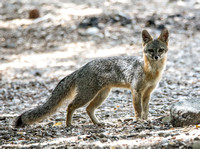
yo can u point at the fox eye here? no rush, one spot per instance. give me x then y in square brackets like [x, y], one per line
[150, 50]
[160, 50]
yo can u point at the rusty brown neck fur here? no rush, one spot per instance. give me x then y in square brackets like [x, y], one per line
[153, 68]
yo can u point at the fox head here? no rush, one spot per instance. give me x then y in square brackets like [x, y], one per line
[155, 49]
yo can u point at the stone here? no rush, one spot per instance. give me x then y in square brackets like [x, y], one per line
[196, 145]
[128, 119]
[92, 31]
[10, 45]
[89, 22]
[186, 112]
[166, 119]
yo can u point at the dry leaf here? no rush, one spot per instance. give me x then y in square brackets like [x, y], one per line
[197, 126]
[21, 133]
[58, 124]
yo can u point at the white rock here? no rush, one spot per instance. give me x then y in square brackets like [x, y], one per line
[92, 31]
[185, 112]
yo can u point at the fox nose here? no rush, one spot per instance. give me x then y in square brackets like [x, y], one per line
[156, 57]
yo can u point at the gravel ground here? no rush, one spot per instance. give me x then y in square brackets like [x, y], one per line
[36, 54]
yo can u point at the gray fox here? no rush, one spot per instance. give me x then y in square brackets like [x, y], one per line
[93, 82]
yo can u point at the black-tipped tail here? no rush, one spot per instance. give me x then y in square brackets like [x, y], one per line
[18, 122]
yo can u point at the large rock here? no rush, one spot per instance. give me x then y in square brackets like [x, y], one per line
[186, 112]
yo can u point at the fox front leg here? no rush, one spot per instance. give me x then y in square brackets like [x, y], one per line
[137, 103]
[145, 102]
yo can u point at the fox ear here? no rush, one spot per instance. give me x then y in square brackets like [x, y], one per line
[146, 37]
[164, 36]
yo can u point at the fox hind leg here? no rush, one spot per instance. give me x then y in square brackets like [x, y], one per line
[82, 98]
[95, 103]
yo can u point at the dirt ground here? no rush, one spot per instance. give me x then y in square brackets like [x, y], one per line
[36, 53]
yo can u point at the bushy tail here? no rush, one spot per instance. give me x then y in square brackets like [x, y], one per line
[65, 89]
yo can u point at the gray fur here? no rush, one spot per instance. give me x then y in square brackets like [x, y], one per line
[93, 82]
